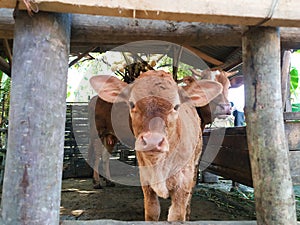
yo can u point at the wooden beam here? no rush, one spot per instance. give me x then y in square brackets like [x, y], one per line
[246, 12]
[7, 50]
[88, 31]
[115, 222]
[268, 147]
[204, 56]
[37, 120]
[80, 56]
[291, 116]
[7, 24]
[5, 67]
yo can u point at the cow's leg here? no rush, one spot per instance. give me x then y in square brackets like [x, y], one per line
[188, 208]
[96, 177]
[179, 210]
[151, 204]
[109, 145]
[106, 169]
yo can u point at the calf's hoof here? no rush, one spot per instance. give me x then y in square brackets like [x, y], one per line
[110, 184]
[98, 186]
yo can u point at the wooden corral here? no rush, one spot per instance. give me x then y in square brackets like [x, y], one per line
[41, 45]
[77, 140]
[232, 160]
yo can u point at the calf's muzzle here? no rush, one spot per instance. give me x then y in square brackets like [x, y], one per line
[151, 141]
[223, 110]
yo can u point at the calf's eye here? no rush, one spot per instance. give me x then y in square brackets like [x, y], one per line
[131, 105]
[176, 107]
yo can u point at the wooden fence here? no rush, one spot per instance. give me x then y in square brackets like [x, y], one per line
[232, 159]
[76, 144]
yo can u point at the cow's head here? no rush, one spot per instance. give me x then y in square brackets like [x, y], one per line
[220, 106]
[155, 102]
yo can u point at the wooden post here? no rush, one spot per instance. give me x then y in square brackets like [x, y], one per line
[32, 181]
[268, 148]
[285, 76]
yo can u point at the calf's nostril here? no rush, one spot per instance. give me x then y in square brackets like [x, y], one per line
[161, 142]
[144, 141]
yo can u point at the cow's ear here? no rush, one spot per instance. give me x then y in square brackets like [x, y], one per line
[203, 91]
[108, 88]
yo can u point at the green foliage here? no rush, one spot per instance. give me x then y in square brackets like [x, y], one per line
[4, 98]
[294, 80]
[1, 75]
[183, 69]
[296, 107]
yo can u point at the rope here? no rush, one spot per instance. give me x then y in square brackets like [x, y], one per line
[31, 7]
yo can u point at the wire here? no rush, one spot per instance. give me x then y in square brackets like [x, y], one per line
[270, 14]
[266, 19]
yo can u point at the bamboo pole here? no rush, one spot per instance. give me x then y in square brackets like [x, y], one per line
[32, 180]
[268, 148]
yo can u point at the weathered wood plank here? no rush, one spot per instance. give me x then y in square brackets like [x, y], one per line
[204, 56]
[4, 66]
[292, 131]
[37, 118]
[295, 166]
[88, 30]
[285, 76]
[268, 149]
[232, 159]
[115, 222]
[291, 116]
[246, 12]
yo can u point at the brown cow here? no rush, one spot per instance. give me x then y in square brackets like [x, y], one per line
[102, 139]
[168, 136]
[220, 106]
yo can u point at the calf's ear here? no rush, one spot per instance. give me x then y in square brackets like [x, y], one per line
[108, 88]
[203, 91]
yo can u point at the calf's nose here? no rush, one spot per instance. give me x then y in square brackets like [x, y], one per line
[152, 141]
[224, 109]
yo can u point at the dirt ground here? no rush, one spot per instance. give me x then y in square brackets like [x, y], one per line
[80, 201]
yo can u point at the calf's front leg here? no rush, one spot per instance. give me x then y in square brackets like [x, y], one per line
[151, 204]
[180, 205]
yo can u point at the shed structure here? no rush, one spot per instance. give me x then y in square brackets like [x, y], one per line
[41, 46]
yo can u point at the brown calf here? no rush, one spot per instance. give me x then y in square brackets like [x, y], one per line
[220, 106]
[102, 139]
[168, 135]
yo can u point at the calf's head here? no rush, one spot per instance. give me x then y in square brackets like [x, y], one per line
[220, 106]
[155, 103]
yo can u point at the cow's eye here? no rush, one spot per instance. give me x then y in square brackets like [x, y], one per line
[131, 104]
[176, 107]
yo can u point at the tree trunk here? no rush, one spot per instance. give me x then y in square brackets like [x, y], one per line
[33, 172]
[268, 148]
